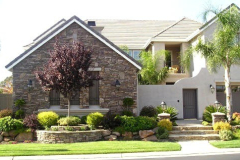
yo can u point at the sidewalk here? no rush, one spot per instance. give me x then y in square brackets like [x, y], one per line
[189, 148]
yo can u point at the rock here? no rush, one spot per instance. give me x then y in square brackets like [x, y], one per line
[1, 138]
[155, 130]
[111, 137]
[135, 133]
[128, 135]
[106, 133]
[5, 134]
[24, 136]
[150, 138]
[116, 133]
[145, 133]
[7, 139]
[12, 133]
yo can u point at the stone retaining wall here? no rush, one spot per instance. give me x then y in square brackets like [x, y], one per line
[68, 136]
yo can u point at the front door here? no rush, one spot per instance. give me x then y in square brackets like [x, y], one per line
[189, 103]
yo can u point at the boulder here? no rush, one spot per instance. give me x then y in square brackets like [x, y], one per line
[145, 133]
[111, 137]
[155, 129]
[24, 136]
[135, 133]
[12, 133]
[1, 138]
[106, 133]
[150, 138]
[7, 139]
[116, 133]
[128, 134]
[5, 134]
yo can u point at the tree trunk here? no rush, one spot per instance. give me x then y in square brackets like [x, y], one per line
[68, 97]
[228, 93]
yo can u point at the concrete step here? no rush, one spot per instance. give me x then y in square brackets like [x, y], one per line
[183, 128]
[182, 137]
[190, 132]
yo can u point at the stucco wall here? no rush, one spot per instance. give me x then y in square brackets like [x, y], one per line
[112, 65]
[155, 94]
[200, 62]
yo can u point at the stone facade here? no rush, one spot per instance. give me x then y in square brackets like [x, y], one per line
[68, 136]
[112, 65]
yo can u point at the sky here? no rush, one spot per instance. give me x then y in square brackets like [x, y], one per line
[21, 21]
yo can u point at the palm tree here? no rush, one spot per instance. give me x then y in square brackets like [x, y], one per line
[224, 49]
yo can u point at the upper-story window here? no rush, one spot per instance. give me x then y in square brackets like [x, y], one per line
[134, 53]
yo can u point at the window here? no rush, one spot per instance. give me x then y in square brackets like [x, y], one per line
[220, 88]
[130, 53]
[136, 54]
[94, 91]
[75, 98]
[54, 97]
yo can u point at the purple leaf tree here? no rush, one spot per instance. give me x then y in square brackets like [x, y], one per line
[67, 70]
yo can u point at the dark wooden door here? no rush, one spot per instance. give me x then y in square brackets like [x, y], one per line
[189, 103]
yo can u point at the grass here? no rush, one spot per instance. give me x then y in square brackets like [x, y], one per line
[101, 147]
[235, 143]
[227, 144]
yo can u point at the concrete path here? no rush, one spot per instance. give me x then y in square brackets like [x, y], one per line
[189, 148]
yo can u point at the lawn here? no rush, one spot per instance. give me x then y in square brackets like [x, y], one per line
[235, 143]
[227, 144]
[30, 149]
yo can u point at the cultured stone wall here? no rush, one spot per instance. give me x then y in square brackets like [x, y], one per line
[68, 137]
[112, 65]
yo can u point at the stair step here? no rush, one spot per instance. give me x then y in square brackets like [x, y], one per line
[190, 132]
[183, 128]
[194, 137]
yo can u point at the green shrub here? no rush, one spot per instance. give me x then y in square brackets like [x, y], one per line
[128, 102]
[162, 133]
[170, 110]
[127, 113]
[67, 128]
[47, 119]
[20, 102]
[205, 123]
[119, 129]
[8, 124]
[149, 111]
[54, 128]
[94, 119]
[218, 126]
[19, 114]
[236, 134]
[84, 119]
[207, 114]
[165, 123]
[69, 121]
[226, 135]
[135, 124]
[5, 113]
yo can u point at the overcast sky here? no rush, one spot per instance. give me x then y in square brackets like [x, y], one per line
[23, 20]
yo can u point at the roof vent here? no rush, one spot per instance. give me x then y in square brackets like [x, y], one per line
[91, 23]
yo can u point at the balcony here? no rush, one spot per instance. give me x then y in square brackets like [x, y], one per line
[176, 71]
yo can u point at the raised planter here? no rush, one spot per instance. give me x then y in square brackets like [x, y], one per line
[68, 136]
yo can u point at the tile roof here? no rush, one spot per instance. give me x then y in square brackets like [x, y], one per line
[178, 31]
[133, 33]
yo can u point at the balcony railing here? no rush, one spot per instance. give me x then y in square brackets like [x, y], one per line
[174, 67]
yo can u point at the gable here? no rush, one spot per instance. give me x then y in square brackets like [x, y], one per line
[72, 20]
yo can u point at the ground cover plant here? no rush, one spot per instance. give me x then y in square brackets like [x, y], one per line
[102, 147]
